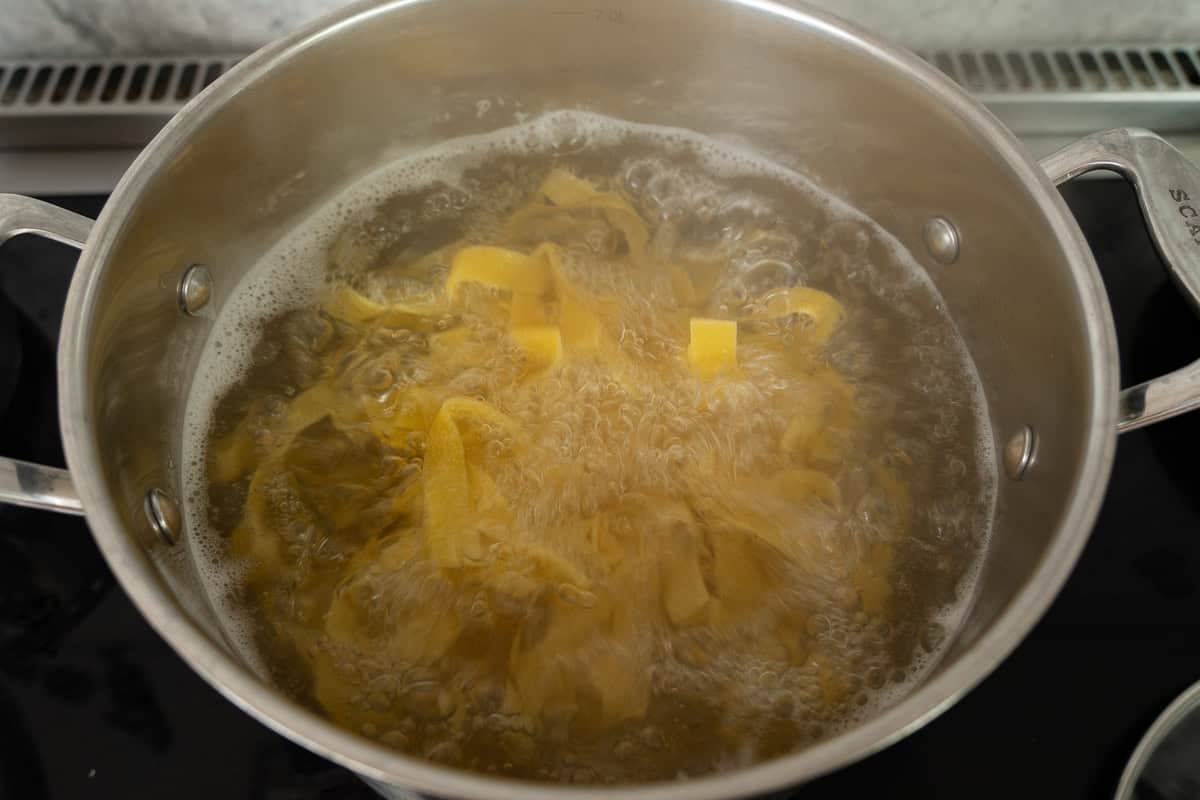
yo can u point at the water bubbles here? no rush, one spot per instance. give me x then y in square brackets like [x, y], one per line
[565, 134]
[395, 739]
[652, 738]
[764, 274]
[932, 637]
[379, 379]
[850, 237]
[639, 432]
[638, 173]
[445, 753]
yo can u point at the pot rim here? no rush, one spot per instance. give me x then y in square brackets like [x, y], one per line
[241, 686]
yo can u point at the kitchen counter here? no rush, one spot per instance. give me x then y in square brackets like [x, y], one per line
[42, 28]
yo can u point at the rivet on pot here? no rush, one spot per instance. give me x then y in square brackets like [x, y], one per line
[1020, 452]
[941, 239]
[163, 514]
[195, 289]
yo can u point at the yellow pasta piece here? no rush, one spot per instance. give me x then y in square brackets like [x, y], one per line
[622, 217]
[486, 496]
[825, 414]
[232, 456]
[681, 286]
[874, 591]
[735, 516]
[452, 538]
[542, 346]
[415, 409]
[623, 686]
[510, 583]
[898, 496]
[568, 191]
[425, 635]
[563, 188]
[605, 542]
[738, 579]
[410, 502]
[881, 557]
[418, 634]
[580, 325]
[800, 484]
[539, 686]
[413, 633]
[312, 404]
[257, 510]
[455, 346]
[262, 550]
[269, 479]
[834, 687]
[444, 344]
[256, 538]
[420, 267]
[712, 348]
[790, 633]
[578, 321]
[527, 310]
[542, 222]
[546, 672]
[395, 419]
[350, 306]
[824, 312]
[550, 567]
[498, 267]
[468, 409]
[518, 567]
[805, 426]
[684, 592]
[704, 276]
[841, 394]
[447, 494]
[334, 690]
[871, 578]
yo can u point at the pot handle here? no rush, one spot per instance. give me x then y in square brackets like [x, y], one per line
[23, 483]
[1168, 189]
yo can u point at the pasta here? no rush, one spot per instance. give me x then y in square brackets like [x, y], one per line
[435, 562]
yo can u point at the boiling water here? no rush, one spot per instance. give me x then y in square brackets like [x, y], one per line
[854, 592]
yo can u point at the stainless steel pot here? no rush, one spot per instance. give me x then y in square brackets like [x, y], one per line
[258, 151]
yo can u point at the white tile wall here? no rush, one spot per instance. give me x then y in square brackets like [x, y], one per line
[136, 27]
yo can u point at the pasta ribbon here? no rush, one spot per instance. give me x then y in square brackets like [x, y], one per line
[542, 346]
[712, 348]
[422, 502]
[820, 308]
[499, 268]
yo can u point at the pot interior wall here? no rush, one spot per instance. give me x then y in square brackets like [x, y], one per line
[252, 164]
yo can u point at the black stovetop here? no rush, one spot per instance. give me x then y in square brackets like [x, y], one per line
[94, 704]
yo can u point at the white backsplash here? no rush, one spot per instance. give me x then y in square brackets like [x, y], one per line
[140, 27]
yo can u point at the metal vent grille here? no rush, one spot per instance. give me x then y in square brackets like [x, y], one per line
[70, 86]
[75, 124]
[1094, 69]
[56, 105]
[1068, 91]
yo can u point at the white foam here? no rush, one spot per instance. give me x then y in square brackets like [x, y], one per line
[293, 271]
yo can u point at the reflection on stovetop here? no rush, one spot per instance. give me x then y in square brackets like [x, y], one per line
[94, 704]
